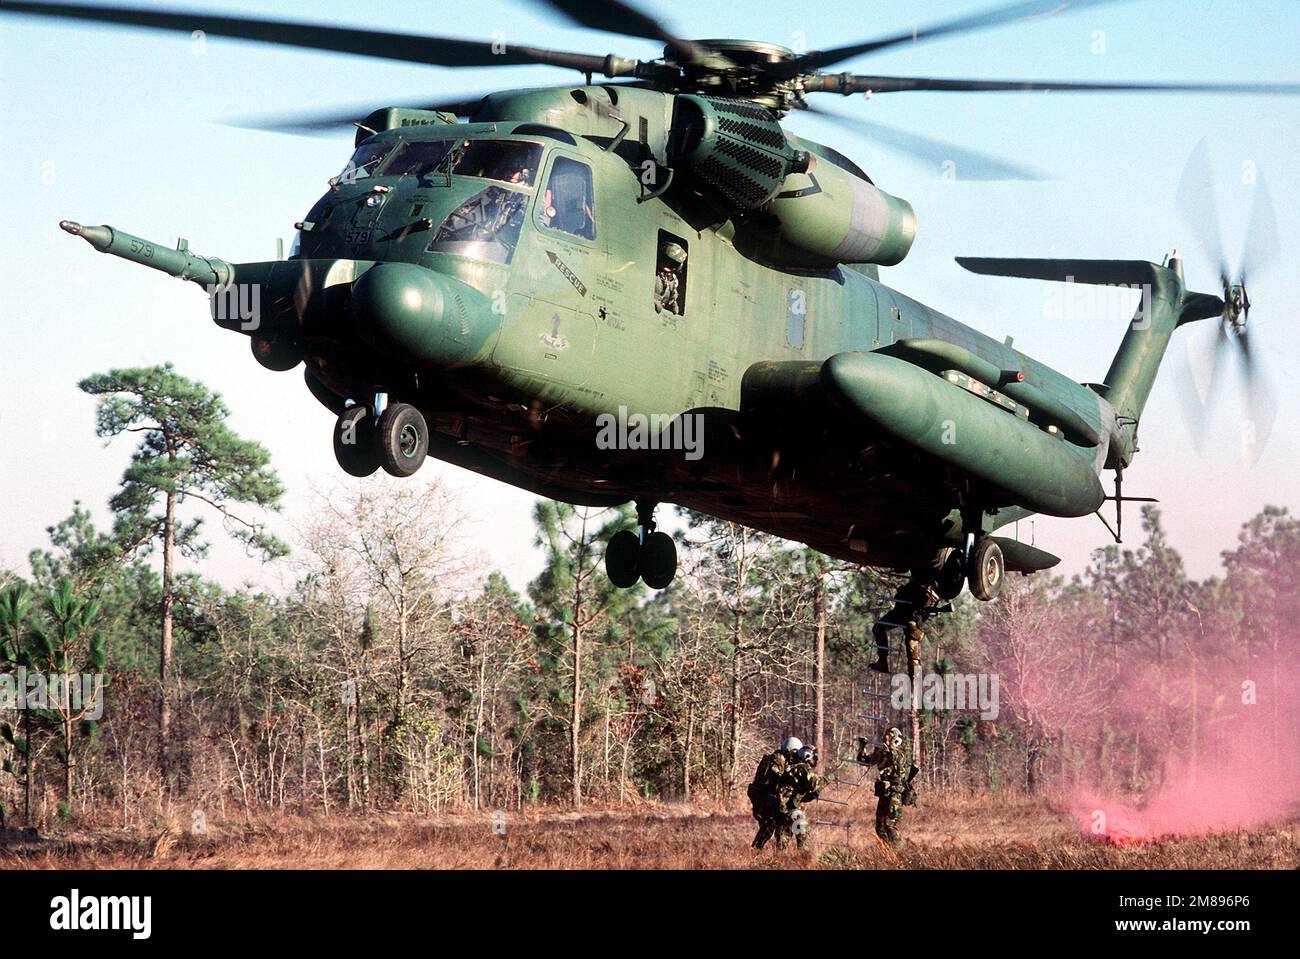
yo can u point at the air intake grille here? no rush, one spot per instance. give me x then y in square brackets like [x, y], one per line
[753, 132]
[736, 147]
[743, 191]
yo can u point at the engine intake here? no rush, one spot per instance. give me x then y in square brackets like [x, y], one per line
[735, 147]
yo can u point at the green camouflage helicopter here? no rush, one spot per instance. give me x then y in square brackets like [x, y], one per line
[651, 291]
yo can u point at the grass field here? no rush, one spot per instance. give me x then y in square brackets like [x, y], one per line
[956, 833]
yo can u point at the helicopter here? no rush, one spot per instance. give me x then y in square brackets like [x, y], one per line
[649, 290]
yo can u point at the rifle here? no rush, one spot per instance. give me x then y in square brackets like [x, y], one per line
[908, 796]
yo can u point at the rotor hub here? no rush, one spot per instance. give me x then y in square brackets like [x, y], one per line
[740, 69]
[1236, 305]
[750, 53]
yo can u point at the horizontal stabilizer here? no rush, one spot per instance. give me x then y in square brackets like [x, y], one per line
[1103, 272]
[1020, 557]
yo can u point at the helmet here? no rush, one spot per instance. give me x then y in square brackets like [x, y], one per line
[673, 252]
[791, 745]
[805, 754]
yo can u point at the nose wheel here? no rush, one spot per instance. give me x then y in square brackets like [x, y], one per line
[648, 555]
[398, 441]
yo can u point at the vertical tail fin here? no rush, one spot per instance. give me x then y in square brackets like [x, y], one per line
[1165, 305]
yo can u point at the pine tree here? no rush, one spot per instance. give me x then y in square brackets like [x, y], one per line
[68, 649]
[186, 452]
[15, 613]
[575, 597]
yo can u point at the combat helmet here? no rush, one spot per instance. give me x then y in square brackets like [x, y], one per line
[673, 252]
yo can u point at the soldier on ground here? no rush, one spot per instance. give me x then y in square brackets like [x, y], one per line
[806, 787]
[893, 785]
[784, 779]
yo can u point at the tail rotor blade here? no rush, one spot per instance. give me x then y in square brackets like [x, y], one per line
[1202, 387]
[1199, 208]
[1198, 380]
[1262, 243]
[1261, 407]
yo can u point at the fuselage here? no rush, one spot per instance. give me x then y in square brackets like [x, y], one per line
[573, 332]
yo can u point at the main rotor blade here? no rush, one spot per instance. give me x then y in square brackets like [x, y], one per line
[847, 83]
[615, 16]
[406, 47]
[330, 120]
[1024, 10]
[340, 117]
[1199, 209]
[968, 164]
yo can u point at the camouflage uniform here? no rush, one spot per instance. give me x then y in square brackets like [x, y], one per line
[768, 794]
[666, 288]
[914, 603]
[781, 784]
[806, 785]
[891, 787]
[668, 279]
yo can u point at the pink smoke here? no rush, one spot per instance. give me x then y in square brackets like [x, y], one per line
[1243, 773]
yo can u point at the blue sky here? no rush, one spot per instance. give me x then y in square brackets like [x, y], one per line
[123, 127]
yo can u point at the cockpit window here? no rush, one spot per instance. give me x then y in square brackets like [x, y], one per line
[568, 203]
[484, 227]
[418, 157]
[511, 161]
[364, 162]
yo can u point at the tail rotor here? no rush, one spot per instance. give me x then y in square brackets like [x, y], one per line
[1231, 343]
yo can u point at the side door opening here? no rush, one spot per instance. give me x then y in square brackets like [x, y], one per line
[671, 264]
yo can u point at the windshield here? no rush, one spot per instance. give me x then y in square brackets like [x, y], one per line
[510, 161]
[364, 162]
[484, 227]
[418, 157]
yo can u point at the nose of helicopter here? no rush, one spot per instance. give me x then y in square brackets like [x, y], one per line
[411, 313]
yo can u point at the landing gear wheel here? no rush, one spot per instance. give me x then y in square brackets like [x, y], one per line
[658, 560]
[987, 570]
[354, 442]
[403, 439]
[949, 573]
[622, 555]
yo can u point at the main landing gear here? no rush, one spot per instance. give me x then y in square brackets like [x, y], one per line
[647, 554]
[397, 439]
[931, 589]
[982, 567]
[986, 569]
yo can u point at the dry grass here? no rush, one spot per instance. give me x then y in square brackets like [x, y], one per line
[1005, 833]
